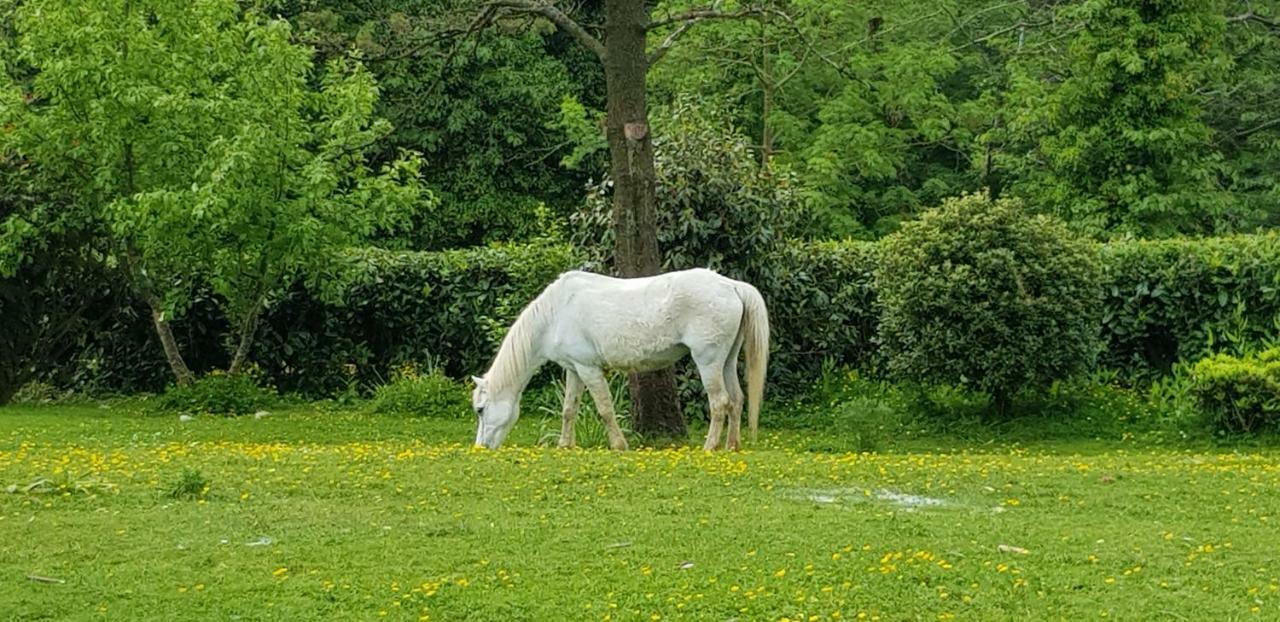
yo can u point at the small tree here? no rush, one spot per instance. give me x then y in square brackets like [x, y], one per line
[981, 294]
[193, 134]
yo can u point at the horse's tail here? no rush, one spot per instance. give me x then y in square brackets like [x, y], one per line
[755, 330]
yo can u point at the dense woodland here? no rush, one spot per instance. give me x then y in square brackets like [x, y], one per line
[210, 172]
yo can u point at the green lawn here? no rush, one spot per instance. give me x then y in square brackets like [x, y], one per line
[313, 515]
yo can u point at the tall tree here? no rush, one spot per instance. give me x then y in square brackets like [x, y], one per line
[192, 133]
[1113, 136]
[476, 116]
[624, 53]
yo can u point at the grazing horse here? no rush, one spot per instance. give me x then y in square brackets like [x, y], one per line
[587, 323]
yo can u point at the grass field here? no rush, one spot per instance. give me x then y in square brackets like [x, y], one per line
[310, 515]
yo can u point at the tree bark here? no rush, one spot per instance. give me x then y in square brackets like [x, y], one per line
[653, 394]
[248, 328]
[171, 352]
[8, 388]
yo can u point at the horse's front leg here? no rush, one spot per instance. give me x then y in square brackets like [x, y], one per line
[572, 395]
[599, 388]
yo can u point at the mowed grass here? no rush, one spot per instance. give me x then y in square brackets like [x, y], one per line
[313, 515]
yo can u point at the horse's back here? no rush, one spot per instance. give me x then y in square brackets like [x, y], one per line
[635, 321]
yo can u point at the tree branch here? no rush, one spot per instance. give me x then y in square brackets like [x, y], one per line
[553, 15]
[697, 15]
[1250, 16]
[666, 44]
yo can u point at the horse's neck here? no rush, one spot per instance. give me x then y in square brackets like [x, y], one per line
[520, 355]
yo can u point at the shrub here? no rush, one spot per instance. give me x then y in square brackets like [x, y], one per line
[36, 392]
[192, 484]
[402, 306]
[1163, 301]
[1239, 394]
[980, 294]
[716, 207]
[218, 394]
[1171, 300]
[412, 392]
[822, 305]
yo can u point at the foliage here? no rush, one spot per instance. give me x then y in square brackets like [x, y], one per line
[981, 294]
[192, 484]
[717, 208]
[1243, 108]
[414, 392]
[218, 393]
[36, 392]
[1117, 140]
[483, 112]
[1118, 115]
[205, 144]
[452, 307]
[1171, 300]
[872, 121]
[822, 306]
[1162, 302]
[1240, 394]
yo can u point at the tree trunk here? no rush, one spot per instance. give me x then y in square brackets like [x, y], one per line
[248, 327]
[653, 394]
[8, 387]
[171, 352]
[766, 105]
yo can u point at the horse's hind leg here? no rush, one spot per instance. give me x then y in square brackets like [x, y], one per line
[572, 394]
[594, 379]
[734, 387]
[717, 398]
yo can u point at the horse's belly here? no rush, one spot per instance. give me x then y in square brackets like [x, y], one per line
[644, 359]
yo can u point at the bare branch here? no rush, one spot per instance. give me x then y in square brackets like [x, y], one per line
[554, 15]
[1258, 128]
[697, 15]
[666, 44]
[1250, 16]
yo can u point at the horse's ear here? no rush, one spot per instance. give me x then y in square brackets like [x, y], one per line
[477, 380]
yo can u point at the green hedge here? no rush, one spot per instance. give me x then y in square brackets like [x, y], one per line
[447, 308]
[1239, 394]
[1163, 301]
[1172, 300]
[822, 306]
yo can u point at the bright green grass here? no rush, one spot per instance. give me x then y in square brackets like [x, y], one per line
[363, 517]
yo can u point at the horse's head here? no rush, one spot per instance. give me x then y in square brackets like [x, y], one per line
[495, 416]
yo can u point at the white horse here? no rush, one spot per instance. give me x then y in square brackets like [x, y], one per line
[588, 323]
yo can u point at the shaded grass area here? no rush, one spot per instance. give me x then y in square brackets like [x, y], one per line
[306, 514]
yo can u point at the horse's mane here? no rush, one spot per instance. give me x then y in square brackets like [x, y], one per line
[511, 365]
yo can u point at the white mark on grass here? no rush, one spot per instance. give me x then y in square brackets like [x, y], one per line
[840, 496]
[907, 500]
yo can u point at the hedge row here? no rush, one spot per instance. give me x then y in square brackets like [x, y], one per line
[1163, 301]
[1172, 300]
[446, 308]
